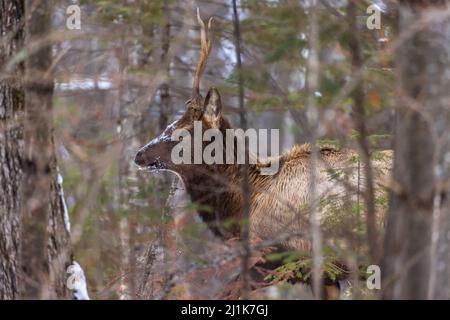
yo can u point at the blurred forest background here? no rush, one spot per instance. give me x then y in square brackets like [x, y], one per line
[83, 100]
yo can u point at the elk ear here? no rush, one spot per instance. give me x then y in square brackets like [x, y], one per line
[213, 107]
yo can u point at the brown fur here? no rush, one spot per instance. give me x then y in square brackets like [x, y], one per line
[277, 202]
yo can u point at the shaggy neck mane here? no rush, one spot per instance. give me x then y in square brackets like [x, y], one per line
[217, 188]
[218, 191]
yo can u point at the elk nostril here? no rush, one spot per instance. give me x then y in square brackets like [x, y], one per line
[139, 159]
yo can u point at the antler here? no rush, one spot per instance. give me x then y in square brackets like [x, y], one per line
[205, 41]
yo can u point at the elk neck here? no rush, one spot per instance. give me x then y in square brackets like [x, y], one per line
[217, 189]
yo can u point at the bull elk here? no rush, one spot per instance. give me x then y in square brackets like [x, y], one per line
[276, 201]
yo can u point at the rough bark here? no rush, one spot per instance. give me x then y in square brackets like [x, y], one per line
[34, 240]
[59, 250]
[11, 107]
[416, 249]
[37, 155]
[46, 242]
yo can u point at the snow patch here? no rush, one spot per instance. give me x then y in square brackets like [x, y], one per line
[63, 200]
[76, 282]
[84, 84]
[380, 5]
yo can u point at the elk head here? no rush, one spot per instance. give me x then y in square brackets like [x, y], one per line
[156, 155]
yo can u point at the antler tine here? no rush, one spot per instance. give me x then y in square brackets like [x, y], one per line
[202, 30]
[210, 21]
[206, 45]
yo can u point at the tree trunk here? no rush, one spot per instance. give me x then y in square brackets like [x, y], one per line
[37, 155]
[11, 107]
[359, 119]
[34, 238]
[416, 262]
[164, 110]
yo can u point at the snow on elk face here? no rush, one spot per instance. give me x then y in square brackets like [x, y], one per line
[157, 154]
[162, 152]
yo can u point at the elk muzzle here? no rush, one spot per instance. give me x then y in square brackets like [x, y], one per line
[140, 158]
[152, 155]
